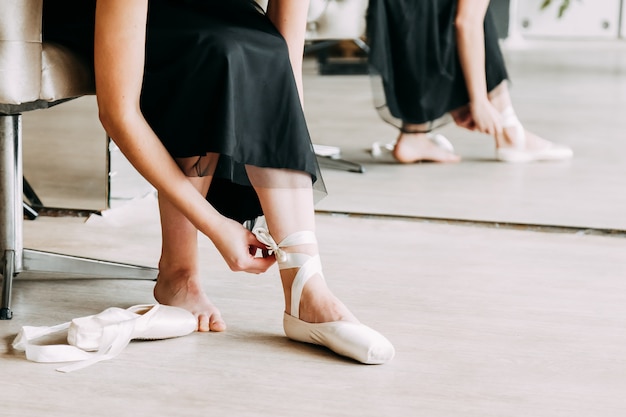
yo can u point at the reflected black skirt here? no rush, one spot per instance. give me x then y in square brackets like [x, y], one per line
[414, 59]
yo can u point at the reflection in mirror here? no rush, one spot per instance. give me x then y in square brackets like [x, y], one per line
[71, 163]
[65, 158]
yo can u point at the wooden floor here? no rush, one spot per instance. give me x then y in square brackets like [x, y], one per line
[502, 287]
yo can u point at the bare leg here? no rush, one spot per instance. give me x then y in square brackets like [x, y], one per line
[287, 202]
[179, 283]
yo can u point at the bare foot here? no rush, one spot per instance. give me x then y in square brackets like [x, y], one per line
[188, 294]
[416, 147]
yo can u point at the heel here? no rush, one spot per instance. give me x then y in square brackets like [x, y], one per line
[353, 340]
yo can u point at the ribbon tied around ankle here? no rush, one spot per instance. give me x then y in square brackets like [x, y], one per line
[264, 237]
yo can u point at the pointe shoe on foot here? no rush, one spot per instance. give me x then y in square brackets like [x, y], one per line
[383, 152]
[519, 152]
[353, 340]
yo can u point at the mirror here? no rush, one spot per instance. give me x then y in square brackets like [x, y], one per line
[568, 91]
[65, 155]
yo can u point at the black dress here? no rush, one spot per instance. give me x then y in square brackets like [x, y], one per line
[217, 78]
[417, 75]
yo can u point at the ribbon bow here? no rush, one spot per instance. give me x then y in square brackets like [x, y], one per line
[287, 260]
[263, 236]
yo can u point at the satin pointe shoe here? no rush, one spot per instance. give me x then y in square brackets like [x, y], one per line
[141, 322]
[353, 340]
[383, 152]
[102, 336]
[518, 151]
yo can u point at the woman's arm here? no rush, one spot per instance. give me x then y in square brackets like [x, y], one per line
[119, 62]
[289, 17]
[470, 35]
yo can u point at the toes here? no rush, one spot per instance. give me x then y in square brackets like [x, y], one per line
[211, 323]
[203, 323]
[216, 324]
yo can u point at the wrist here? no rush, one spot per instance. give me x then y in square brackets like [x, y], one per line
[479, 101]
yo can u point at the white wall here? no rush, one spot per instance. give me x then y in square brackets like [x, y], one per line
[584, 19]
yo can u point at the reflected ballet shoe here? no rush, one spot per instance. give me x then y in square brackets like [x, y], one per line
[353, 340]
[383, 152]
[518, 151]
[102, 336]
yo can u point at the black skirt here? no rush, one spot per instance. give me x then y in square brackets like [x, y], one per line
[417, 75]
[218, 79]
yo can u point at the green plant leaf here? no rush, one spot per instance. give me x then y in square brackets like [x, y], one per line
[545, 4]
[565, 4]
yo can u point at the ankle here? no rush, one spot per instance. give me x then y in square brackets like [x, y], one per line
[319, 305]
[407, 143]
[176, 270]
[304, 285]
[410, 136]
[173, 278]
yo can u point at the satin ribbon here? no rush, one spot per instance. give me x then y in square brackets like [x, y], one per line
[113, 338]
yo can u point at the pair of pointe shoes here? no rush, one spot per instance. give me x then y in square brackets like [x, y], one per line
[517, 152]
[353, 340]
[102, 336]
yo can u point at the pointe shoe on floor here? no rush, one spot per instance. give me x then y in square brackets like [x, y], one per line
[102, 336]
[383, 152]
[350, 339]
[149, 322]
[519, 152]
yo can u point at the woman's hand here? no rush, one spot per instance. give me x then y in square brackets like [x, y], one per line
[469, 26]
[463, 118]
[239, 247]
[486, 118]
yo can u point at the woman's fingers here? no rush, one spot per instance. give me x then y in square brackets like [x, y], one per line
[240, 249]
[259, 265]
[259, 251]
[260, 259]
